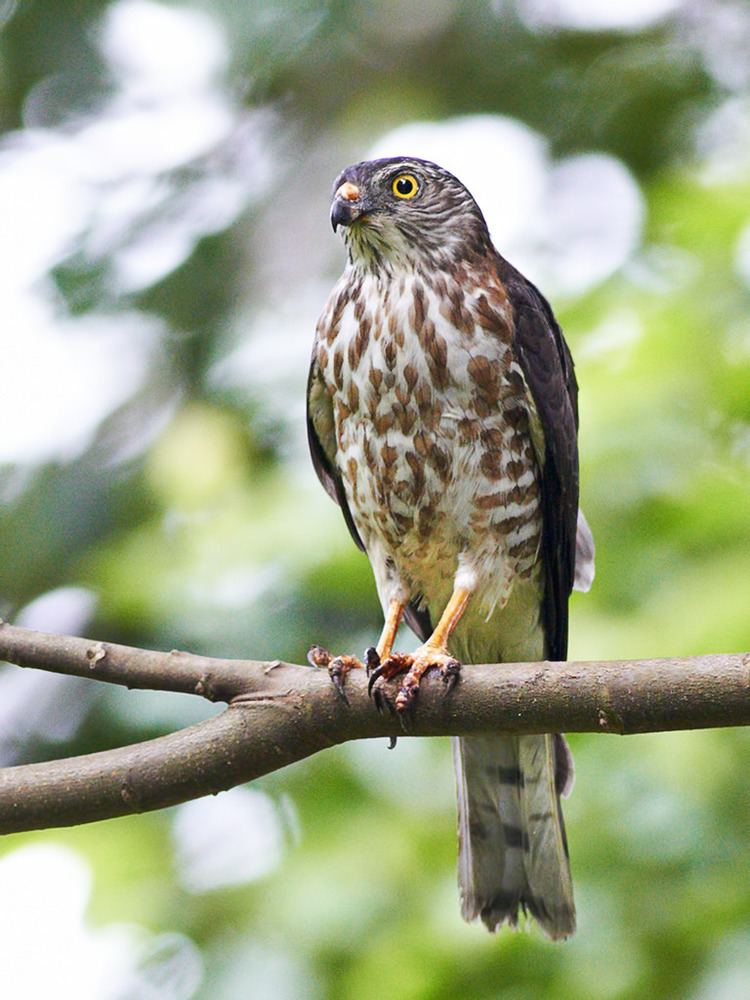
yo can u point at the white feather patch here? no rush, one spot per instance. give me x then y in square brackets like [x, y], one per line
[585, 549]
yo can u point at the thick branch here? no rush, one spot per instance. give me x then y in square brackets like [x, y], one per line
[280, 713]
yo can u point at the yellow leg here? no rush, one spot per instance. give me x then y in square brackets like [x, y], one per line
[449, 619]
[433, 653]
[390, 627]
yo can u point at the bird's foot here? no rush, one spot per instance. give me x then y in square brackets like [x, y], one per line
[338, 667]
[413, 666]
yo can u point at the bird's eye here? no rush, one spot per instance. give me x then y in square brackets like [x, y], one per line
[405, 186]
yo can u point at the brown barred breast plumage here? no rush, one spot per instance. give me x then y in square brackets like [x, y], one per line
[433, 430]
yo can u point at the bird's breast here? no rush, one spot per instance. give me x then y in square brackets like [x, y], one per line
[432, 418]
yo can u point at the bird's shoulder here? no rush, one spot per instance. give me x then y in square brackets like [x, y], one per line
[540, 344]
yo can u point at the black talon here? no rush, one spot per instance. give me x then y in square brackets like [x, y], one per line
[336, 673]
[407, 713]
[372, 660]
[377, 672]
[392, 741]
[451, 674]
[341, 692]
[382, 701]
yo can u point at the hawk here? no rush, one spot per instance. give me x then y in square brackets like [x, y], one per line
[442, 418]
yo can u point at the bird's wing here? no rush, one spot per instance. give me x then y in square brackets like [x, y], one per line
[321, 437]
[548, 369]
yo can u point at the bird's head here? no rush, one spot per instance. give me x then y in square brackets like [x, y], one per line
[404, 211]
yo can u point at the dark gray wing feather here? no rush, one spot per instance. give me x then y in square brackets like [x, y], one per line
[418, 620]
[548, 369]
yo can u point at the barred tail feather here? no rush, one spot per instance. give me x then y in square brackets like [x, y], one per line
[513, 851]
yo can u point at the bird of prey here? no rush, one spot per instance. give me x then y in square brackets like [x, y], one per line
[442, 419]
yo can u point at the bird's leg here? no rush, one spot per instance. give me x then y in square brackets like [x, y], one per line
[375, 655]
[339, 666]
[433, 653]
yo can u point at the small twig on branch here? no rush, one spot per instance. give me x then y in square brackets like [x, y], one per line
[280, 712]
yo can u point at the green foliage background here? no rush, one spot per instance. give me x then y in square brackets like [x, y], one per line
[193, 519]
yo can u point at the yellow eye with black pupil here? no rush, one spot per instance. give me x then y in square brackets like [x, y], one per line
[405, 186]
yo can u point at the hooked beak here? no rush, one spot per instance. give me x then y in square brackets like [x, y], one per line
[346, 207]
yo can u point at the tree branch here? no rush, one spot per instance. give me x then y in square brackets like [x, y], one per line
[279, 713]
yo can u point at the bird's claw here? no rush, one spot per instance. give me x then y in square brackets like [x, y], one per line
[396, 664]
[338, 667]
[450, 671]
[373, 676]
[337, 671]
[372, 661]
[382, 702]
[413, 667]
[317, 656]
[450, 674]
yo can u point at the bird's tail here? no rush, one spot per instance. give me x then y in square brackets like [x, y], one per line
[513, 853]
